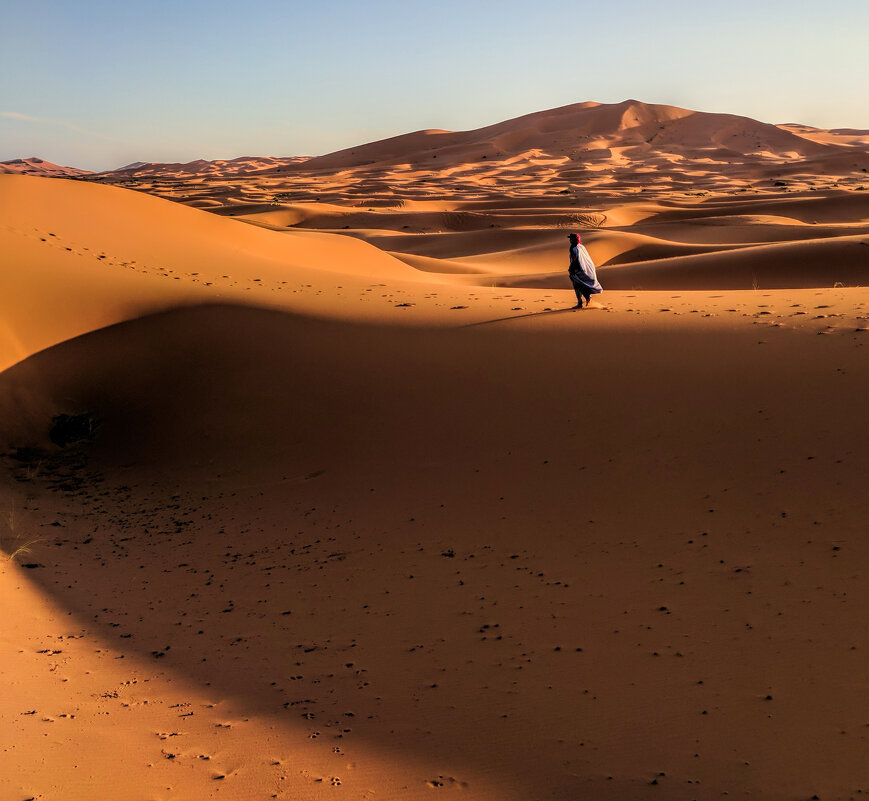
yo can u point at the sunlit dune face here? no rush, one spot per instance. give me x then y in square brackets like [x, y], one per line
[653, 186]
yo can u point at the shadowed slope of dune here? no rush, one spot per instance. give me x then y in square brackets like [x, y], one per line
[443, 550]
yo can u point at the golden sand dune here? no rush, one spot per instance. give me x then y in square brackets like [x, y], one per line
[37, 166]
[300, 510]
[202, 167]
[817, 239]
[584, 127]
[88, 256]
[647, 184]
[837, 136]
[587, 151]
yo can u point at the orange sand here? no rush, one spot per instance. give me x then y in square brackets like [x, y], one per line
[373, 515]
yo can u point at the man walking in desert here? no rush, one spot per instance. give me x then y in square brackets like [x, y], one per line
[582, 272]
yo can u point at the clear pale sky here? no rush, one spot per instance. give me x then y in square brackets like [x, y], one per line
[100, 83]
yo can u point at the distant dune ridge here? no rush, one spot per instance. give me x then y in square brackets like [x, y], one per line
[581, 132]
[667, 198]
[219, 167]
[589, 130]
[37, 166]
[313, 485]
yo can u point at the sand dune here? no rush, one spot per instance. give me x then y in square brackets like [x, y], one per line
[837, 136]
[582, 127]
[37, 166]
[326, 491]
[821, 263]
[585, 151]
[825, 263]
[200, 167]
[89, 256]
[644, 183]
[592, 630]
[815, 238]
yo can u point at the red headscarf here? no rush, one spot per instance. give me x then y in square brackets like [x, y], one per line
[578, 239]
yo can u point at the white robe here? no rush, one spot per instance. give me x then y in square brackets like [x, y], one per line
[582, 269]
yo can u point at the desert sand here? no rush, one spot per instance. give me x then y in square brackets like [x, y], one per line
[352, 505]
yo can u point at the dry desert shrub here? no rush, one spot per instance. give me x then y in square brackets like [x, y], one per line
[12, 543]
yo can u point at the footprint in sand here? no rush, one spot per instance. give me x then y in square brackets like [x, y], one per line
[445, 781]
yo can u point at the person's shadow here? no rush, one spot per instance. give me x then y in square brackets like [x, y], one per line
[544, 313]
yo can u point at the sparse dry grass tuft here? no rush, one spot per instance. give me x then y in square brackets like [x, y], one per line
[12, 544]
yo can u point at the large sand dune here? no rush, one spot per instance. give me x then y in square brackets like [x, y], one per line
[87, 256]
[587, 151]
[648, 184]
[351, 505]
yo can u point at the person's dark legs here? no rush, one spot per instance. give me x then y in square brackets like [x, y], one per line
[587, 295]
[578, 288]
